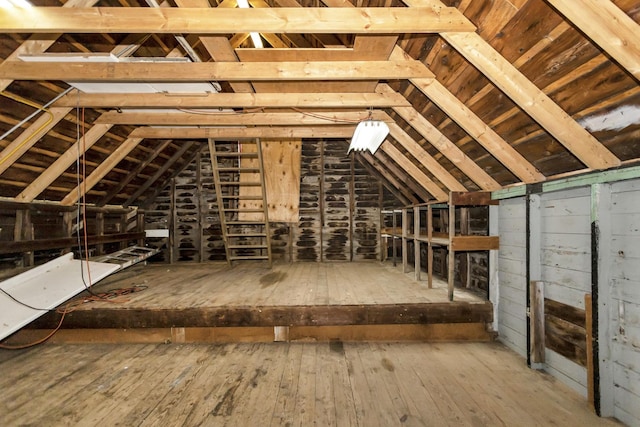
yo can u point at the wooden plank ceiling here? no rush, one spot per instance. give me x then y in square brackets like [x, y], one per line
[477, 94]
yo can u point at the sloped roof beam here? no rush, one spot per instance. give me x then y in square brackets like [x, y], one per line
[425, 159]
[438, 140]
[62, 163]
[608, 26]
[101, 171]
[165, 167]
[436, 192]
[123, 183]
[388, 181]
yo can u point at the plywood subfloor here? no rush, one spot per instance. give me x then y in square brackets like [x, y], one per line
[252, 284]
[293, 384]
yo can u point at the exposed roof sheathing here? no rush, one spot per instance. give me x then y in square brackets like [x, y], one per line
[478, 95]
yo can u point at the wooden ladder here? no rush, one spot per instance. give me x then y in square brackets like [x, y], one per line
[238, 173]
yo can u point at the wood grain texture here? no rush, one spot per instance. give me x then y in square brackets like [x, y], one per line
[334, 383]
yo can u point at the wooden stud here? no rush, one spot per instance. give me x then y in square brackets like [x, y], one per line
[536, 321]
[589, 333]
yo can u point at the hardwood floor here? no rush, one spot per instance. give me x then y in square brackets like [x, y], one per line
[215, 284]
[283, 384]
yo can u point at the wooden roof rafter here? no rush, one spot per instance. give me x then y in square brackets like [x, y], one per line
[608, 26]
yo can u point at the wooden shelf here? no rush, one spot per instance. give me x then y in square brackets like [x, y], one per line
[424, 233]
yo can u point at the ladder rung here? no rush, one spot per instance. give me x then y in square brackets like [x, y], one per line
[227, 154]
[246, 235]
[239, 197]
[238, 258]
[241, 184]
[240, 210]
[255, 170]
[247, 246]
[247, 222]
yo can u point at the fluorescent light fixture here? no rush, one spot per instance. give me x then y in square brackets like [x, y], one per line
[9, 4]
[255, 37]
[369, 135]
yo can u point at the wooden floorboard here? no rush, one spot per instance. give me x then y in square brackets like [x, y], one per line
[278, 384]
[212, 295]
[297, 284]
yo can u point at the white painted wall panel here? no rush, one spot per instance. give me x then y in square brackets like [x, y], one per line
[565, 245]
[624, 320]
[512, 319]
[573, 375]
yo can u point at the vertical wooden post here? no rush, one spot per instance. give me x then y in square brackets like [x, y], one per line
[589, 332]
[140, 225]
[405, 234]
[381, 247]
[601, 294]
[123, 228]
[23, 230]
[99, 232]
[451, 254]
[172, 222]
[416, 241]
[465, 260]
[352, 204]
[67, 227]
[393, 239]
[429, 246]
[536, 321]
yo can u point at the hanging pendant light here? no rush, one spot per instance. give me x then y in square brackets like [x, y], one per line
[369, 135]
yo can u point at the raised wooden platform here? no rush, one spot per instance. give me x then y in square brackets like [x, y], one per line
[248, 302]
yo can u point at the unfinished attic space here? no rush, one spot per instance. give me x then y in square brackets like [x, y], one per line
[327, 212]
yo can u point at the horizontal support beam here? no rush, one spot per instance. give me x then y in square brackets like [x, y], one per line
[209, 71]
[64, 242]
[308, 315]
[244, 133]
[232, 100]
[280, 20]
[335, 118]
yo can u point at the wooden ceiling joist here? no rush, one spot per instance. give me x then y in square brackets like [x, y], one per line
[333, 118]
[306, 20]
[209, 71]
[244, 133]
[608, 26]
[38, 44]
[62, 163]
[101, 171]
[232, 100]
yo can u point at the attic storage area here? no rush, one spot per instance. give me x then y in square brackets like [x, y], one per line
[190, 223]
